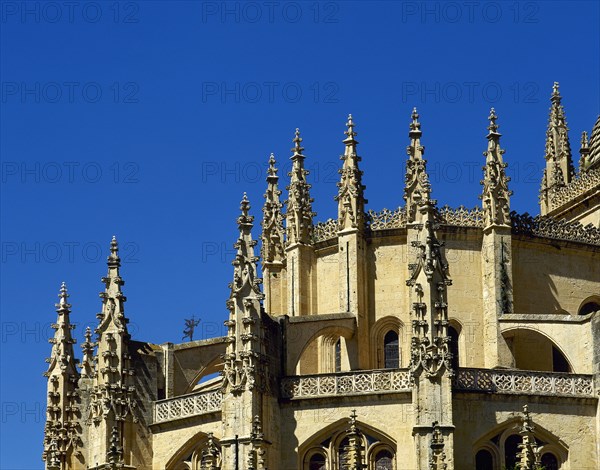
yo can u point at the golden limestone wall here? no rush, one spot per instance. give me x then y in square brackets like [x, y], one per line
[307, 423]
[326, 277]
[178, 440]
[479, 418]
[551, 278]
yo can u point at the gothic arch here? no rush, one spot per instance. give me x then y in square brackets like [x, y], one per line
[589, 305]
[525, 337]
[378, 332]
[494, 441]
[492, 449]
[176, 462]
[328, 332]
[216, 365]
[330, 438]
[462, 349]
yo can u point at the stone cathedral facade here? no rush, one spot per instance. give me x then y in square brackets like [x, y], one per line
[421, 338]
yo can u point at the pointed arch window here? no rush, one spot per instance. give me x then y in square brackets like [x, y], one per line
[484, 460]
[317, 462]
[453, 346]
[511, 449]
[384, 460]
[391, 350]
[549, 461]
[338, 355]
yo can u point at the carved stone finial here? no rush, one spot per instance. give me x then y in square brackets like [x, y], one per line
[61, 433]
[417, 188]
[243, 326]
[299, 214]
[114, 252]
[428, 283]
[559, 169]
[584, 152]
[528, 457]
[350, 197]
[496, 195]
[272, 237]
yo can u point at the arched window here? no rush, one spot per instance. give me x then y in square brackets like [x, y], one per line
[338, 355]
[384, 460]
[317, 462]
[484, 460]
[511, 449]
[453, 346]
[549, 461]
[391, 350]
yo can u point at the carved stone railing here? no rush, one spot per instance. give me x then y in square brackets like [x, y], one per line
[386, 219]
[187, 405]
[325, 230]
[349, 383]
[548, 227]
[524, 382]
[586, 181]
[461, 217]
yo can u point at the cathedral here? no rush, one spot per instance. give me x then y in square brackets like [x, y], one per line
[420, 338]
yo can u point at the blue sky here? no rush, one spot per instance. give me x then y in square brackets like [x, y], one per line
[148, 120]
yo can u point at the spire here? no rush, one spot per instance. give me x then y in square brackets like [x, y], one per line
[428, 282]
[350, 197]
[272, 225]
[496, 195]
[112, 297]
[594, 152]
[353, 453]
[243, 326]
[559, 165]
[112, 400]
[62, 356]
[87, 364]
[299, 214]
[245, 277]
[62, 415]
[417, 189]
[528, 457]
[584, 151]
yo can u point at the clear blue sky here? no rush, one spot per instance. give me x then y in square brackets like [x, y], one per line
[148, 120]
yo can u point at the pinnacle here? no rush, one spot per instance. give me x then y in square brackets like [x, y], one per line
[62, 305]
[493, 127]
[245, 218]
[350, 131]
[297, 140]
[584, 140]
[272, 170]
[415, 125]
[113, 258]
